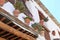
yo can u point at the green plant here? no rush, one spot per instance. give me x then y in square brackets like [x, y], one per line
[19, 5]
[34, 25]
[40, 28]
[37, 25]
[28, 18]
[46, 19]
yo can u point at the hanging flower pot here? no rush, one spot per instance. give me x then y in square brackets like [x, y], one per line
[19, 5]
[46, 19]
[53, 33]
[37, 26]
[42, 32]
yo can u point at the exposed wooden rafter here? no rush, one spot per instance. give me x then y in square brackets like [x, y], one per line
[2, 38]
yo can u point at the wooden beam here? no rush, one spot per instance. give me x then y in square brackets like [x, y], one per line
[2, 38]
[14, 31]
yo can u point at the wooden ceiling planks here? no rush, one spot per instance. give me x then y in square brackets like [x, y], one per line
[2, 38]
[15, 32]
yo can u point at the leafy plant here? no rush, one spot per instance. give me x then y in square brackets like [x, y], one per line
[40, 28]
[37, 25]
[46, 19]
[28, 18]
[19, 5]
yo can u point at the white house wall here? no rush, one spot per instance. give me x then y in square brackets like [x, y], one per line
[50, 24]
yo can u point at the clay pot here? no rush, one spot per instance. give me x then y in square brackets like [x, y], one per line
[41, 22]
[42, 33]
[53, 33]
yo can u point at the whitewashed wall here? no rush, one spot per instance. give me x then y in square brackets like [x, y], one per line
[50, 24]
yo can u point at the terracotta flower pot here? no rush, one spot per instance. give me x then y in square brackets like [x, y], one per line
[53, 33]
[42, 33]
[41, 22]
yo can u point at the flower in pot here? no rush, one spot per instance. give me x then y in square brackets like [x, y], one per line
[53, 33]
[35, 26]
[42, 22]
[46, 19]
[27, 20]
[42, 32]
[19, 5]
[39, 28]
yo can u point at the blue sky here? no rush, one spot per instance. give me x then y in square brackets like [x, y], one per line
[54, 7]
